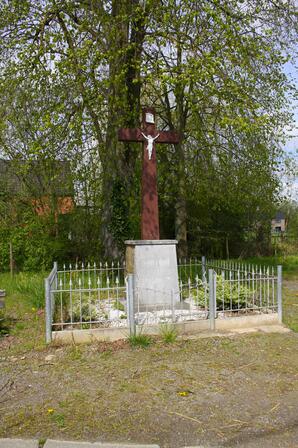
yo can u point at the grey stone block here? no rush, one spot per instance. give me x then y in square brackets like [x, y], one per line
[154, 264]
[18, 443]
[64, 444]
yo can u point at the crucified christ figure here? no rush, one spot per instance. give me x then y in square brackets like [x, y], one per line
[150, 141]
[145, 134]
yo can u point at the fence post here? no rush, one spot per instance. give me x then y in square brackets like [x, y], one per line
[130, 304]
[11, 261]
[212, 298]
[203, 268]
[56, 276]
[173, 306]
[279, 292]
[48, 311]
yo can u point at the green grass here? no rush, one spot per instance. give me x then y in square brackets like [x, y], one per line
[168, 333]
[289, 263]
[23, 313]
[139, 340]
[290, 304]
[26, 284]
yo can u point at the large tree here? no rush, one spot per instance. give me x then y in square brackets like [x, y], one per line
[214, 69]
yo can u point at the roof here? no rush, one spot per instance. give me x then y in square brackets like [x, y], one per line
[36, 178]
[279, 216]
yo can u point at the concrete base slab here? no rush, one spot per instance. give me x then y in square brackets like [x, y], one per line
[244, 330]
[64, 444]
[268, 323]
[18, 443]
[274, 329]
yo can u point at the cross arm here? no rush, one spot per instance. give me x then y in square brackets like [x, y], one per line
[130, 135]
[168, 137]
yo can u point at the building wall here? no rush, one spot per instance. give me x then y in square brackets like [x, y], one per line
[278, 225]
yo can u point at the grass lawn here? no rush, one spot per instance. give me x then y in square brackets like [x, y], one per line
[290, 285]
[229, 391]
[288, 262]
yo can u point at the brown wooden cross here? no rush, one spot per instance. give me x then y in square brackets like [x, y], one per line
[149, 136]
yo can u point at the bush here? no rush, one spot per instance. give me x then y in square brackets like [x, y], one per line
[35, 243]
[228, 294]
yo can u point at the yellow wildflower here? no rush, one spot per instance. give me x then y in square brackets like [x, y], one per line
[50, 411]
[183, 393]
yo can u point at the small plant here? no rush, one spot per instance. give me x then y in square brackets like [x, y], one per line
[117, 305]
[75, 353]
[4, 325]
[83, 310]
[58, 418]
[140, 340]
[168, 333]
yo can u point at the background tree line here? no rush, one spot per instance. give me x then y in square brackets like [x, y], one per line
[73, 72]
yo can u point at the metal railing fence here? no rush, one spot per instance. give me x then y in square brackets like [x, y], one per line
[100, 296]
[85, 297]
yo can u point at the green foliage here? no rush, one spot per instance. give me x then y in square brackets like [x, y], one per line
[140, 340]
[168, 333]
[36, 242]
[32, 286]
[229, 295]
[289, 263]
[59, 419]
[82, 310]
[4, 326]
[222, 86]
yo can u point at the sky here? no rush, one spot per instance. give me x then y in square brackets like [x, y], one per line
[291, 71]
[291, 145]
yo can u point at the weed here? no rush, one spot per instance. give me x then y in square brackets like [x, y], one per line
[168, 333]
[75, 353]
[59, 419]
[19, 326]
[139, 340]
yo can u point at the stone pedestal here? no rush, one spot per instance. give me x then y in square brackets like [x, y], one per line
[154, 265]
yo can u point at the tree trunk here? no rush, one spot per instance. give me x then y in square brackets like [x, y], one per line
[124, 110]
[180, 206]
[181, 211]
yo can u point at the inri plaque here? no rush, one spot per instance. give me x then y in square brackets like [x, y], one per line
[149, 117]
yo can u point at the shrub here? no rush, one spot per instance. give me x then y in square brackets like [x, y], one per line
[228, 294]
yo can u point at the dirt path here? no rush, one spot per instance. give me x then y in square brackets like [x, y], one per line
[237, 391]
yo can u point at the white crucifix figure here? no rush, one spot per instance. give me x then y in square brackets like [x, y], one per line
[150, 141]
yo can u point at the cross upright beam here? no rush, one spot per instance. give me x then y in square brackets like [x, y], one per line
[149, 136]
